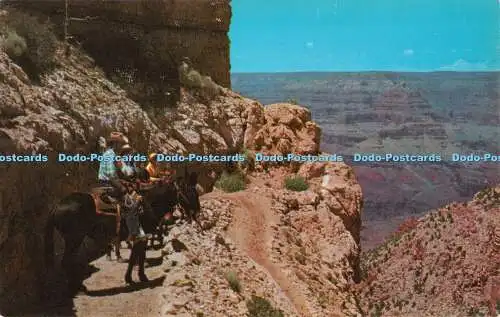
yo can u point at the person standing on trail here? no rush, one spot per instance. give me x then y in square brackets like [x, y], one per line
[132, 205]
[132, 198]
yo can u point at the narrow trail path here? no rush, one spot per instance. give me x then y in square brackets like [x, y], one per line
[251, 230]
[108, 295]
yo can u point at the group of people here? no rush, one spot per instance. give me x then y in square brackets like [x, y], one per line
[112, 171]
[124, 179]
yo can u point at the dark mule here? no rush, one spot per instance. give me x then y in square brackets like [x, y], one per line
[75, 217]
[163, 198]
[158, 201]
[188, 198]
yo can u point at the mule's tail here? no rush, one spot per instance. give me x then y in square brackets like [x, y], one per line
[49, 241]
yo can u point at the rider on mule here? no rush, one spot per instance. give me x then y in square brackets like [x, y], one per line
[127, 170]
[109, 166]
[112, 172]
[153, 169]
[155, 175]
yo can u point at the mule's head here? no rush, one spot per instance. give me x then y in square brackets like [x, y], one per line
[187, 194]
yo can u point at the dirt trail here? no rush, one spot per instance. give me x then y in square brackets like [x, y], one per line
[108, 295]
[251, 230]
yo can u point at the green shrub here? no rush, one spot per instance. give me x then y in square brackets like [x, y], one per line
[209, 86]
[300, 258]
[296, 183]
[248, 163]
[191, 78]
[261, 307]
[41, 43]
[233, 281]
[293, 101]
[14, 45]
[245, 152]
[231, 183]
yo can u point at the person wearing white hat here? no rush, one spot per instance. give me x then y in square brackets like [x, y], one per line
[127, 169]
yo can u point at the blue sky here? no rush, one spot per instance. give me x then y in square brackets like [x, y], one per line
[364, 35]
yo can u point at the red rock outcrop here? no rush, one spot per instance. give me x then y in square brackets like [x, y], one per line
[447, 263]
[287, 129]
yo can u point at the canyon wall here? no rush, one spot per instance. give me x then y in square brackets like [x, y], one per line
[140, 44]
[67, 113]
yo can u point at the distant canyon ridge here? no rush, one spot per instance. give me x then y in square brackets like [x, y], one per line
[414, 113]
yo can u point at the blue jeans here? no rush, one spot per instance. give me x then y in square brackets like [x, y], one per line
[130, 212]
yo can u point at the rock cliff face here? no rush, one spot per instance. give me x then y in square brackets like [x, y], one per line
[75, 104]
[143, 42]
[67, 113]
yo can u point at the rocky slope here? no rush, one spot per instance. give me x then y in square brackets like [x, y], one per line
[75, 104]
[141, 43]
[448, 263]
[294, 249]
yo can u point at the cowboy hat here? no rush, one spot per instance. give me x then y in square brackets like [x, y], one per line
[117, 137]
[126, 148]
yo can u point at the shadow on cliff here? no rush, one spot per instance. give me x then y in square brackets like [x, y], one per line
[55, 299]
